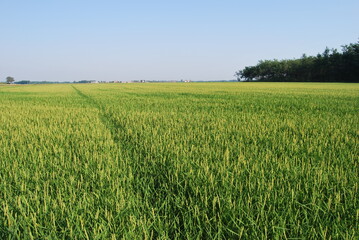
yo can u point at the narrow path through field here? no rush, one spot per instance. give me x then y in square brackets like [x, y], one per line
[105, 119]
[151, 172]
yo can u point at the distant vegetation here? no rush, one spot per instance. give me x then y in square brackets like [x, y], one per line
[330, 66]
[10, 80]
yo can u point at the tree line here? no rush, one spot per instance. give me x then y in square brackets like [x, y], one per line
[330, 66]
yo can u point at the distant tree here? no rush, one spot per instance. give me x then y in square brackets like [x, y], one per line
[330, 66]
[23, 82]
[10, 80]
[238, 75]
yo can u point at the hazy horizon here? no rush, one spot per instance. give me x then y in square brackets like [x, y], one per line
[162, 40]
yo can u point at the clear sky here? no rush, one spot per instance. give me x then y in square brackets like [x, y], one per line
[71, 40]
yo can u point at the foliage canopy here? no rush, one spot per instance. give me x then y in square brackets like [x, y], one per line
[330, 66]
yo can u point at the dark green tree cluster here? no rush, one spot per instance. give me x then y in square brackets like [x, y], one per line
[10, 80]
[330, 66]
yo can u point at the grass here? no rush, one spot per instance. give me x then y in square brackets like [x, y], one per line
[179, 161]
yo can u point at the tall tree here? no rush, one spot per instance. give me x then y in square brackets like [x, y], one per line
[330, 66]
[10, 80]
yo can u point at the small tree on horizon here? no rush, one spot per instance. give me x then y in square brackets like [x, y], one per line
[10, 80]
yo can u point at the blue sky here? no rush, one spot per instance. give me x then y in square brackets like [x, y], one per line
[53, 40]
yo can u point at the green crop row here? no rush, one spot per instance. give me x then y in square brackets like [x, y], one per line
[179, 161]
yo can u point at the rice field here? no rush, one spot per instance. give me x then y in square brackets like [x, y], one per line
[179, 161]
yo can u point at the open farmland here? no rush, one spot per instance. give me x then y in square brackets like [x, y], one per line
[179, 160]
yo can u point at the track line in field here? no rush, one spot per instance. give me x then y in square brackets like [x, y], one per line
[105, 119]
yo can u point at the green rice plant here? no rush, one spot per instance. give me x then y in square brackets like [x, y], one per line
[179, 161]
